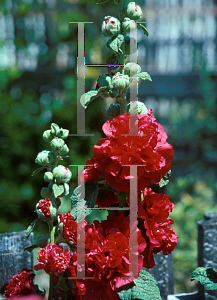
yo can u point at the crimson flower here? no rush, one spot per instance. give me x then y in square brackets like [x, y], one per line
[20, 284]
[53, 259]
[44, 207]
[107, 258]
[149, 149]
[68, 227]
[153, 212]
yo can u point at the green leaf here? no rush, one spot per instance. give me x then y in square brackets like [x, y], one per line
[88, 97]
[91, 192]
[38, 170]
[79, 209]
[58, 189]
[31, 227]
[165, 180]
[30, 248]
[143, 28]
[114, 43]
[206, 276]
[142, 75]
[113, 59]
[145, 288]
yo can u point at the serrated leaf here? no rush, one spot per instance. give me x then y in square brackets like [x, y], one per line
[88, 97]
[30, 248]
[143, 28]
[206, 276]
[58, 189]
[145, 288]
[112, 59]
[79, 209]
[31, 227]
[142, 75]
[102, 1]
[165, 180]
[38, 170]
[114, 43]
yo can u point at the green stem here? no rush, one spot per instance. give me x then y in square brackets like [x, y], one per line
[51, 289]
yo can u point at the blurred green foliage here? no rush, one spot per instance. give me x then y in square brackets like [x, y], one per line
[31, 100]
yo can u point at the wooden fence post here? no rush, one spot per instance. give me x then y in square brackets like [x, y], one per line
[207, 250]
[12, 257]
[163, 273]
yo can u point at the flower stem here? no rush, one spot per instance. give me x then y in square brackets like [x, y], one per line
[51, 289]
[122, 55]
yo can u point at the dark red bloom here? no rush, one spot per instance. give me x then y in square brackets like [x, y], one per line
[68, 227]
[153, 212]
[20, 284]
[149, 148]
[107, 257]
[44, 205]
[53, 259]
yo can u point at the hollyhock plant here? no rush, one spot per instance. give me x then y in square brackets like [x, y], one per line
[53, 259]
[103, 250]
[148, 148]
[20, 284]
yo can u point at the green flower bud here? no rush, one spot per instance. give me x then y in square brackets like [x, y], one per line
[105, 80]
[133, 11]
[46, 209]
[132, 68]
[64, 150]
[62, 174]
[120, 81]
[42, 241]
[48, 176]
[63, 133]
[46, 192]
[45, 158]
[128, 41]
[57, 144]
[48, 136]
[55, 129]
[137, 108]
[128, 24]
[111, 26]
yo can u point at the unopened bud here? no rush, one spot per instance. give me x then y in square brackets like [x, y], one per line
[132, 68]
[120, 81]
[111, 26]
[133, 11]
[48, 136]
[57, 144]
[48, 176]
[128, 24]
[62, 174]
[45, 158]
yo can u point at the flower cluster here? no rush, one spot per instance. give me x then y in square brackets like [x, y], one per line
[20, 284]
[53, 259]
[107, 257]
[153, 211]
[148, 149]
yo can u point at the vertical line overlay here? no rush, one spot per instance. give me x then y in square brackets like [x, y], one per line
[80, 80]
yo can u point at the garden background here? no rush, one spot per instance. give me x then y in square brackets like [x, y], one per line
[38, 73]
